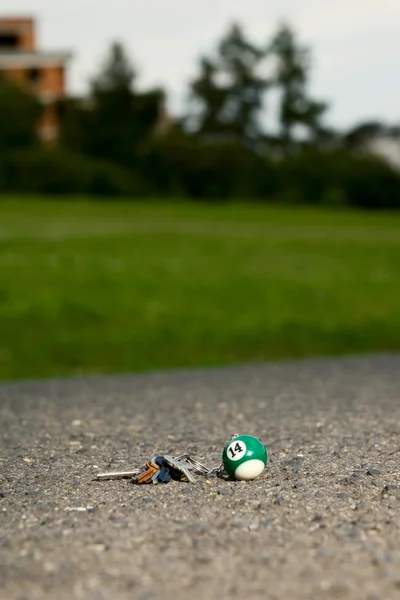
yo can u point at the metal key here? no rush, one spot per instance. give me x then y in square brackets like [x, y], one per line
[162, 475]
[146, 476]
[179, 465]
[141, 475]
[119, 474]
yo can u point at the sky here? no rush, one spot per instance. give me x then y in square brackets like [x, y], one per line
[355, 43]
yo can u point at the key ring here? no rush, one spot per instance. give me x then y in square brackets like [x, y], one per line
[198, 466]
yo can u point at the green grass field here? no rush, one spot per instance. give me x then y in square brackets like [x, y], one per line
[116, 287]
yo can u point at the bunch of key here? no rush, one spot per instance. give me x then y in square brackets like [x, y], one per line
[163, 469]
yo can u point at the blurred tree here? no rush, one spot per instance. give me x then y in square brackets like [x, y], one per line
[209, 98]
[19, 114]
[117, 74]
[362, 133]
[115, 119]
[229, 90]
[291, 78]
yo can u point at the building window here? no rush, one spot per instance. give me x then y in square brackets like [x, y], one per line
[8, 41]
[34, 75]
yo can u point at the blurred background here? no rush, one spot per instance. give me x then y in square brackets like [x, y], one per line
[192, 185]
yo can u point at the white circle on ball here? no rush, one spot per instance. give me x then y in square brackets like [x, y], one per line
[236, 450]
[249, 469]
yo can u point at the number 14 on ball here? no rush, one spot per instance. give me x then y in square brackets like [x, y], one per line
[244, 457]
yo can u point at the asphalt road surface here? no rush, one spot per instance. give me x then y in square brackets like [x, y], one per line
[323, 522]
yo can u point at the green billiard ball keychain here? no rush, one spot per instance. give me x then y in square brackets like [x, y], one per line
[244, 457]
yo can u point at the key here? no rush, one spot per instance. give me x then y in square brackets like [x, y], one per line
[162, 475]
[156, 461]
[169, 467]
[146, 475]
[179, 466]
[118, 474]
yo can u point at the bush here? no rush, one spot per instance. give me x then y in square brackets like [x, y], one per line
[181, 164]
[19, 114]
[55, 171]
[305, 176]
[370, 183]
[340, 177]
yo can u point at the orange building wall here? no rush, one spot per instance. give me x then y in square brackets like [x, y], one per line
[17, 75]
[50, 84]
[49, 88]
[49, 124]
[51, 80]
[25, 28]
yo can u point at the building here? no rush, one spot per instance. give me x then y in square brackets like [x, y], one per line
[41, 72]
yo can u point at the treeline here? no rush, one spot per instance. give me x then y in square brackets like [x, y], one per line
[118, 141]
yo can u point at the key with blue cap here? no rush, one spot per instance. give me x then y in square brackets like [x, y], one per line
[162, 475]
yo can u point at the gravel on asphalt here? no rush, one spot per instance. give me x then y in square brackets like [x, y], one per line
[323, 521]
